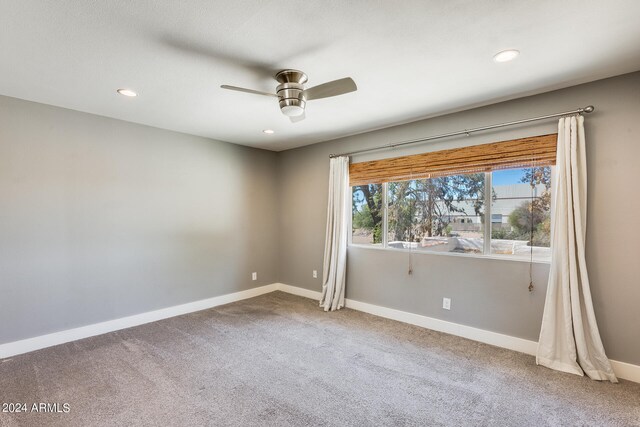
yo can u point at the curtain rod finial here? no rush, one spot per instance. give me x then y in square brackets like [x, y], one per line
[589, 109]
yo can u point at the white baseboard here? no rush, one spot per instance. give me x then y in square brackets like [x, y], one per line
[622, 370]
[488, 337]
[626, 371]
[299, 291]
[31, 344]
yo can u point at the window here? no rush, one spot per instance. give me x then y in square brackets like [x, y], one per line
[447, 214]
[522, 197]
[366, 218]
[492, 199]
[443, 214]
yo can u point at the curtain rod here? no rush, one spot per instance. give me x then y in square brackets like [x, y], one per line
[588, 109]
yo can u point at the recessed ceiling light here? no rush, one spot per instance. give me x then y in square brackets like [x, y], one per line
[127, 92]
[269, 131]
[506, 55]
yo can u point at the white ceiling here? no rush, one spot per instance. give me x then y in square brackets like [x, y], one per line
[411, 58]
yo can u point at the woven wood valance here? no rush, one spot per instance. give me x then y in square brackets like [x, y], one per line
[523, 152]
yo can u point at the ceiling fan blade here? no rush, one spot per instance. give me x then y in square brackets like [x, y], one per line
[241, 89]
[299, 118]
[334, 88]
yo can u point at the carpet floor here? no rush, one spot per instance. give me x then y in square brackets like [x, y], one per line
[278, 360]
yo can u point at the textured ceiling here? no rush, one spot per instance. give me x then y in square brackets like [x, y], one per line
[411, 59]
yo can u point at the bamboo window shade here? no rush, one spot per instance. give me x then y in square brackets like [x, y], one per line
[523, 152]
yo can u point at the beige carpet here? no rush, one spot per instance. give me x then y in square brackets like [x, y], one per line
[279, 360]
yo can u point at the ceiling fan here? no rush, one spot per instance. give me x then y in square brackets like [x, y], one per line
[293, 96]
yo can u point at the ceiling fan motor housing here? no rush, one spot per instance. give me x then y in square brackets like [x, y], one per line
[291, 92]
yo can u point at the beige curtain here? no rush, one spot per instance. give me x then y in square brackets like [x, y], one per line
[335, 245]
[569, 337]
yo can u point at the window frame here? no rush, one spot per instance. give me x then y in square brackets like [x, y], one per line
[486, 253]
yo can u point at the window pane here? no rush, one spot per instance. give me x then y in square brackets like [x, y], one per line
[443, 214]
[366, 220]
[521, 213]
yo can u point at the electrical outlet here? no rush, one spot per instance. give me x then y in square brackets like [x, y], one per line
[446, 303]
[254, 276]
[315, 274]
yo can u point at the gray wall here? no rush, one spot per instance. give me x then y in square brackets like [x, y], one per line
[101, 219]
[486, 293]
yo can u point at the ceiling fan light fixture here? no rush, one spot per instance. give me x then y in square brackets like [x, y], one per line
[292, 110]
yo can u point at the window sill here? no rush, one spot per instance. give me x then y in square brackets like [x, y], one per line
[454, 254]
